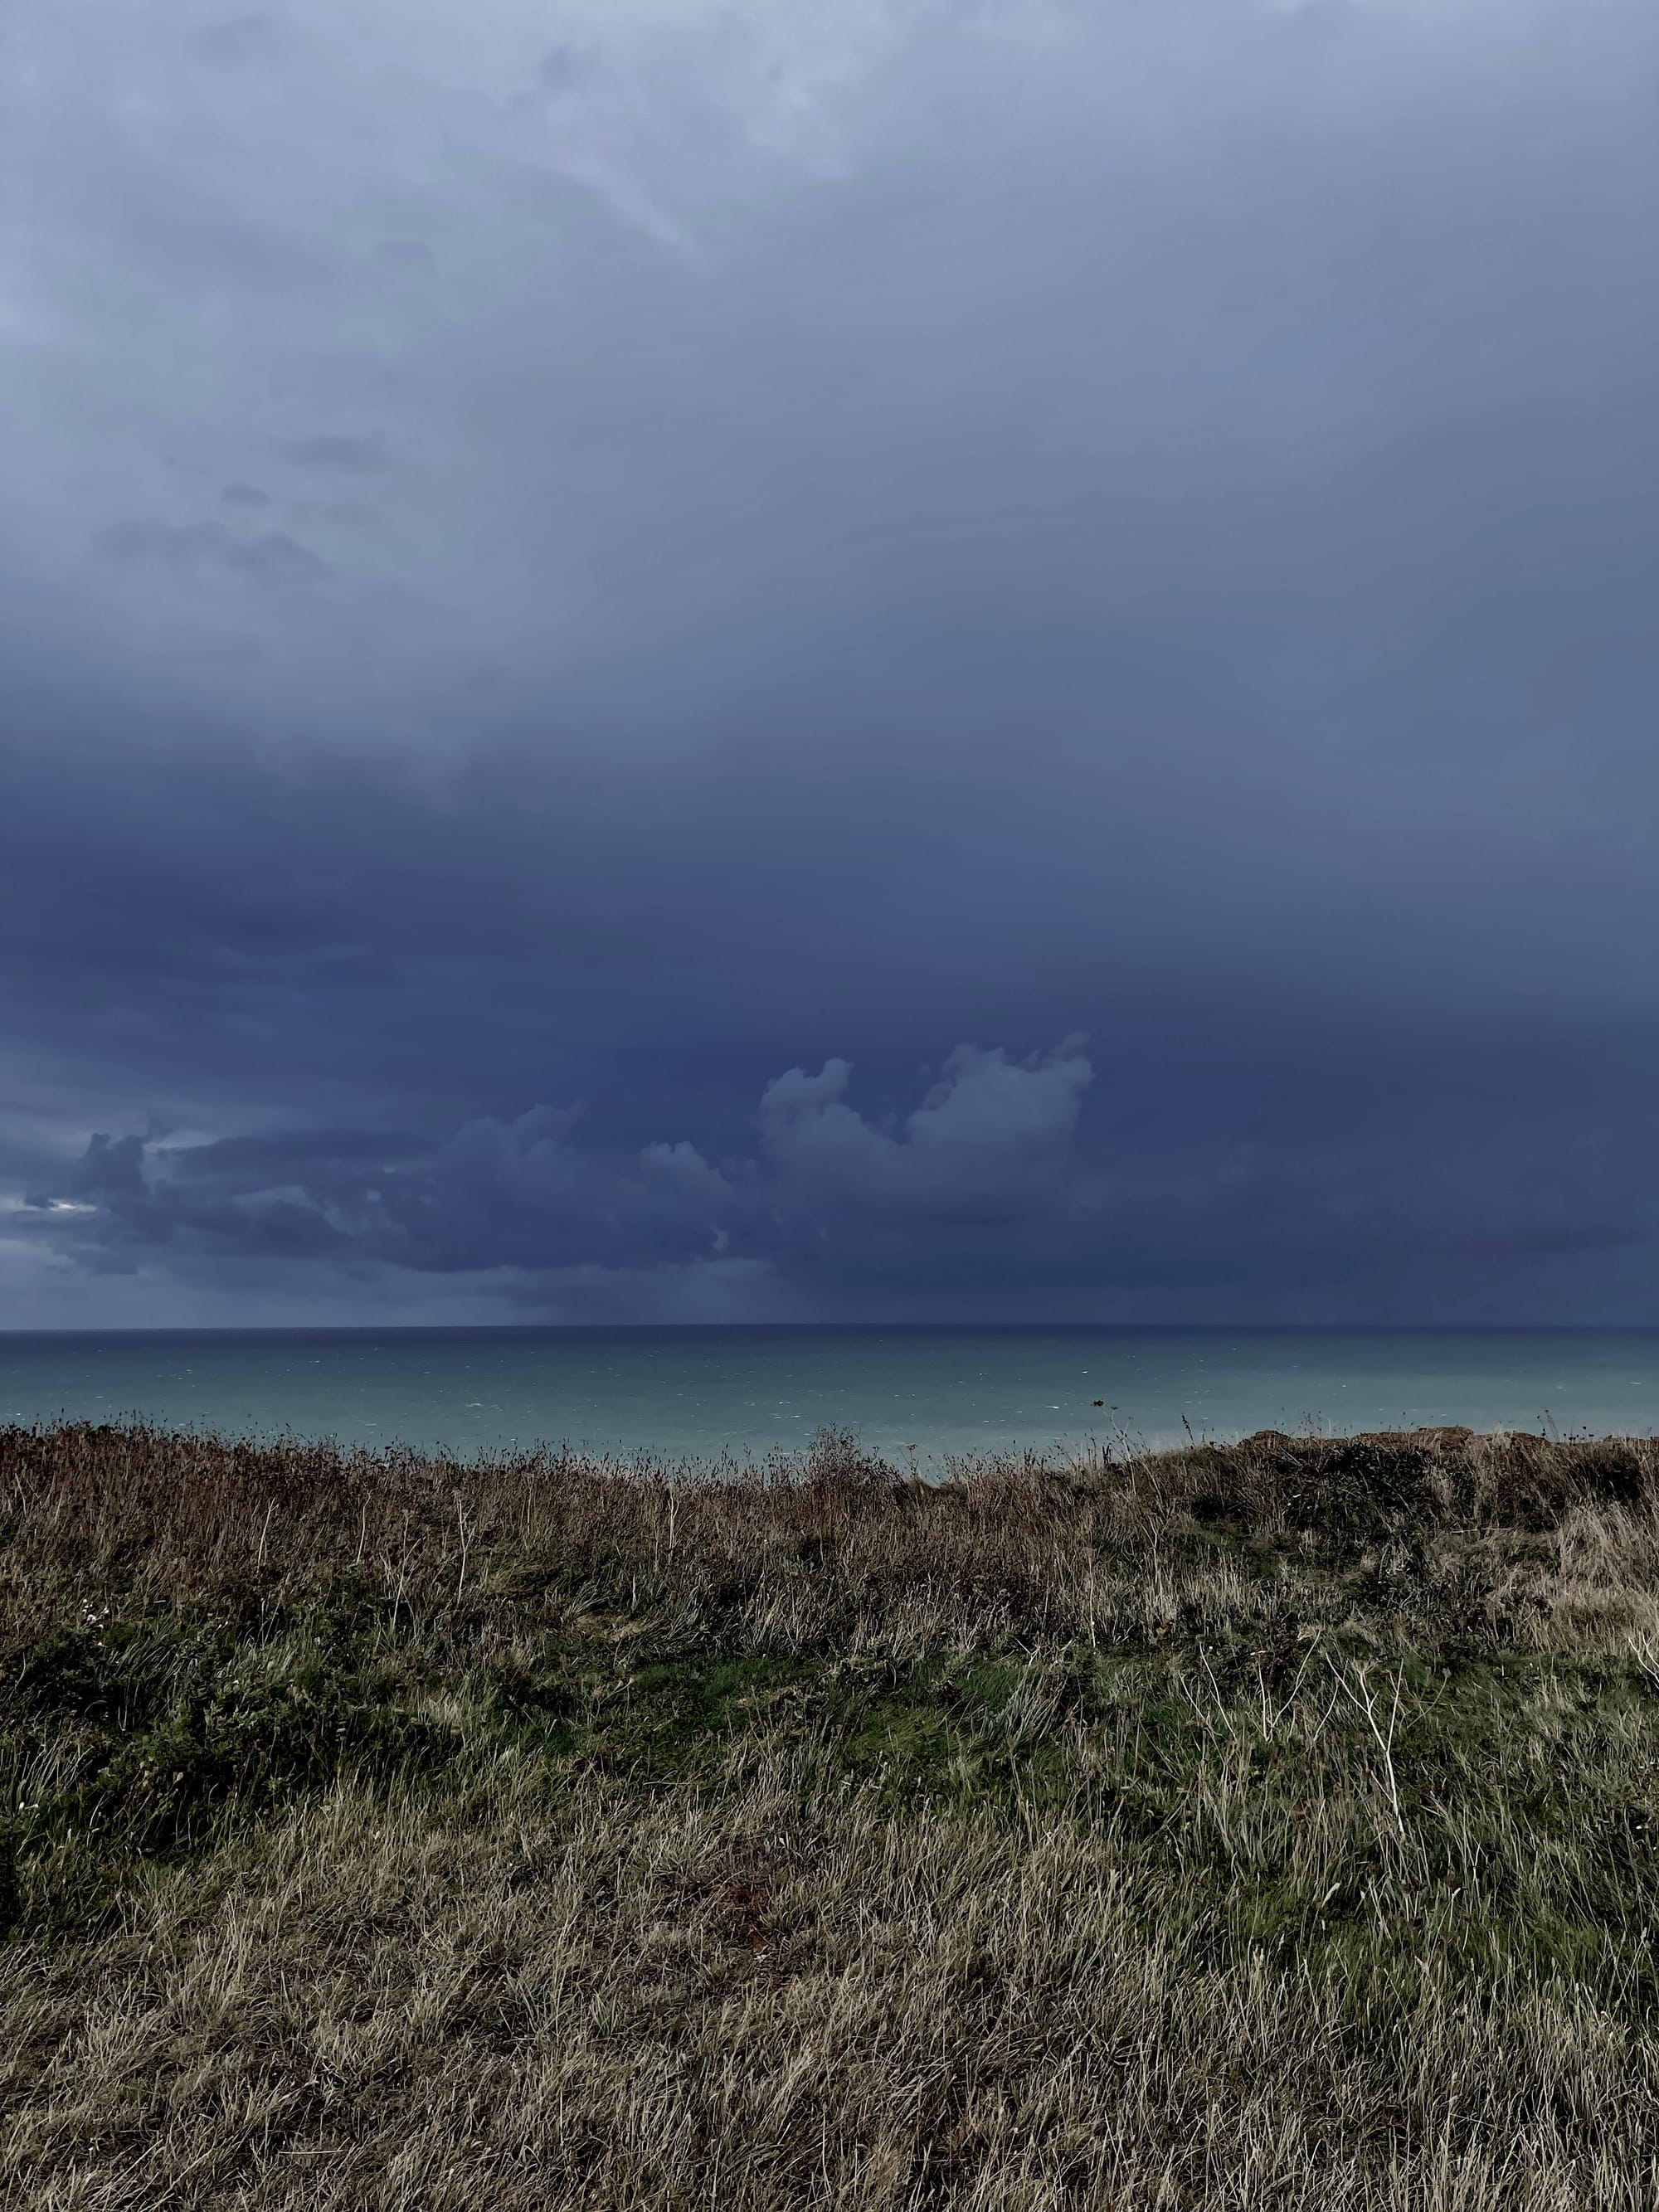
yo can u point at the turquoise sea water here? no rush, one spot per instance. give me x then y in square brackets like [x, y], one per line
[700, 1392]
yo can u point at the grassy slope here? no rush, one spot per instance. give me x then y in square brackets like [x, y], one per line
[1264, 1827]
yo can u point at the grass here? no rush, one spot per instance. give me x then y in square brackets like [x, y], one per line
[1266, 1826]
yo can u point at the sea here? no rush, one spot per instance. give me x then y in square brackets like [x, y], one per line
[919, 1396]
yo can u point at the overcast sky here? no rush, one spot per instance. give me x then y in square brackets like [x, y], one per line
[910, 659]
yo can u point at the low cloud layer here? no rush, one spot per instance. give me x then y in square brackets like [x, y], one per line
[824, 1202]
[975, 1204]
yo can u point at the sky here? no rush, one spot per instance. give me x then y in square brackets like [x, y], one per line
[918, 660]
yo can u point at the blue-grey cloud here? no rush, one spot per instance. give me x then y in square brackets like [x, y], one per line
[974, 1203]
[270, 556]
[614, 552]
[352, 453]
[990, 1140]
[989, 1143]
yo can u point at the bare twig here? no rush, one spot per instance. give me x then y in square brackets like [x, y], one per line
[1364, 1700]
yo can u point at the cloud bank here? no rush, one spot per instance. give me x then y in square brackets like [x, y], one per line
[822, 1190]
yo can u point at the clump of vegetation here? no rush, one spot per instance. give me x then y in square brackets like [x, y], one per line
[1268, 1825]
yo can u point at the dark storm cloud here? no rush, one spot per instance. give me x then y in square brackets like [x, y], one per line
[989, 1143]
[826, 1210]
[890, 525]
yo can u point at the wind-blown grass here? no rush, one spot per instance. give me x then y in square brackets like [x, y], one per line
[1264, 1825]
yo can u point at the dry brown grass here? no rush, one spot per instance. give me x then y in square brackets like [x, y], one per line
[1266, 1826]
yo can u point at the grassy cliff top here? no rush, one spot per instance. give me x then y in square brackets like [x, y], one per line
[1268, 1824]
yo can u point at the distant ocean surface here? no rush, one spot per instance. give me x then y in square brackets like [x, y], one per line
[702, 1391]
